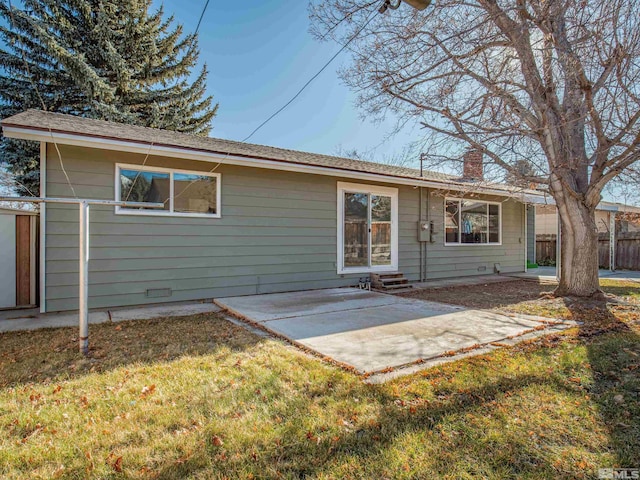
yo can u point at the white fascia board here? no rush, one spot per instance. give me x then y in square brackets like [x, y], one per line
[541, 199]
[607, 208]
[188, 154]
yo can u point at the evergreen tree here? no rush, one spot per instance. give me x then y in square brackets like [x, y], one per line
[107, 59]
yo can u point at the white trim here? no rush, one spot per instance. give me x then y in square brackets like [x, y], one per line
[43, 228]
[171, 171]
[211, 157]
[459, 243]
[342, 188]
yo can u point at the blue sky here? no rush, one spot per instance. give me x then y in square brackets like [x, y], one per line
[259, 54]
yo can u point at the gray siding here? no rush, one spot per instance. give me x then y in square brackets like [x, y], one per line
[277, 233]
[461, 260]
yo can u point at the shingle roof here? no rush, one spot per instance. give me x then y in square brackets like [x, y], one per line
[60, 123]
[38, 120]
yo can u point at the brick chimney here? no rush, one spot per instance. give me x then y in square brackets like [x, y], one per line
[473, 168]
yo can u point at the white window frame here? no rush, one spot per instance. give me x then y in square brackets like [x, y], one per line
[343, 188]
[171, 172]
[459, 242]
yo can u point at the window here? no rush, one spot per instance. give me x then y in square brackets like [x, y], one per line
[367, 228]
[183, 193]
[472, 222]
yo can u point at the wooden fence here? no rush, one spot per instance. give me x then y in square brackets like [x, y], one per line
[627, 250]
[356, 241]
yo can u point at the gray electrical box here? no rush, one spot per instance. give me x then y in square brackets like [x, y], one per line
[424, 234]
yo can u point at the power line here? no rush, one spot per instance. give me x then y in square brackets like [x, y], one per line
[201, 17]
[353, 37]
[369, 18]
[13, 26]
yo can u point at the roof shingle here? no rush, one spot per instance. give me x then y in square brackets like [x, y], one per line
[61, 123]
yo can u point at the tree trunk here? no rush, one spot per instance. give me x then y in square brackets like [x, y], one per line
[578, 249]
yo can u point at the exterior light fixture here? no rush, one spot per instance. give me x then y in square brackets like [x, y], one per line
[394, 4]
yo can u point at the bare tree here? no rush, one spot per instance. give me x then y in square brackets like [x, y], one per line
[405, 158]
[555, 82]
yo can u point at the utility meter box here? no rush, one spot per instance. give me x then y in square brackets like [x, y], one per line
[424, 233]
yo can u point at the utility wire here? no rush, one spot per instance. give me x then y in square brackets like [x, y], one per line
[353, 37]
[304, 87]
[13, 26]
[201, 17]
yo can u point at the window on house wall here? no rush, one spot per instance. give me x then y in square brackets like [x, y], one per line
[472, 222]
[182, 193]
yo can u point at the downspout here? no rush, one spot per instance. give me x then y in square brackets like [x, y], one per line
[421, 275]
[526, 237]
[612, 241]
[425, 244]
[558, 247]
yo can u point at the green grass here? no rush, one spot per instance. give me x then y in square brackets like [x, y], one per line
[201, 398]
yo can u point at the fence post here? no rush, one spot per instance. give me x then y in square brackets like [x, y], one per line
[612, 241]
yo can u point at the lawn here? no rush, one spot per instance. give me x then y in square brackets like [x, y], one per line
[199, 397]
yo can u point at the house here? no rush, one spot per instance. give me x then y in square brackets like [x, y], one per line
[239, 219]
[627, 218]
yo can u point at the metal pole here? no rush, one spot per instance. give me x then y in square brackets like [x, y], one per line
[526, 238]
[84, 279]
[558, 248]
[612, 241]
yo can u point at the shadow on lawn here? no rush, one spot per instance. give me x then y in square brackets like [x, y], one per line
[615, 363]
[366, 446]
[51, 355]
[514, 456]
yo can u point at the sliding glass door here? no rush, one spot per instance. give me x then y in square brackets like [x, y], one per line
[368, 228]
[356, 230]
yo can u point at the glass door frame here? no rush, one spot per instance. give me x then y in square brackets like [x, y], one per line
[343, 188]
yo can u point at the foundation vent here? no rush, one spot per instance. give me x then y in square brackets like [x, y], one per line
[158, 292]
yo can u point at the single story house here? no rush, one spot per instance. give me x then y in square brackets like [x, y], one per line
[241, 219]
[627, 218]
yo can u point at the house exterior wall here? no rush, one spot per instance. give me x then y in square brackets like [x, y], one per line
[547, 221]
[277, 233]
[460, 260]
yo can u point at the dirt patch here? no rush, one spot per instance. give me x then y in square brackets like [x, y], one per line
[532, 298]
[488, 295]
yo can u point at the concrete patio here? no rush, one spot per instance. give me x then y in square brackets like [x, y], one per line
[374, 331]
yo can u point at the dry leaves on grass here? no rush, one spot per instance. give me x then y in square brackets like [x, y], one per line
[115, 462]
